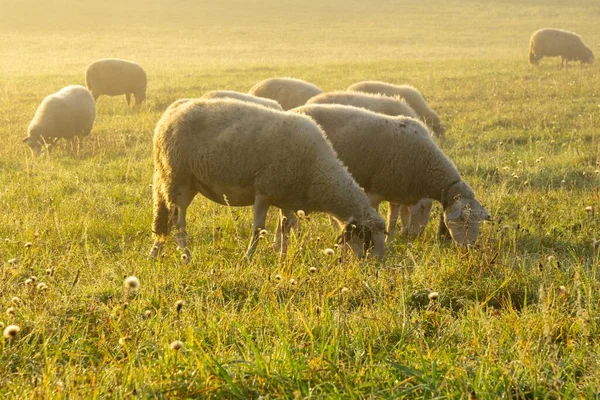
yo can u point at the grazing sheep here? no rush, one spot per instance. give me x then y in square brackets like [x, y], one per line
[288, 92]
[230, 94]
[411, 95]
[414, 217]
[395, 159]
[114, 77]
[240, 154]
[68, 113]
[558, 43]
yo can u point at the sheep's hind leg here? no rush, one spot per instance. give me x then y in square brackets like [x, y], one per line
[128, 97]
[287, 222]
[394, 212]
[261, 206]
[182, 202]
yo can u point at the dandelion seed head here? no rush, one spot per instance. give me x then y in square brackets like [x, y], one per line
[131, 283]
[589, 209]
[123, 341]
[433, 295]
[15, 300]
[312, 270]
[344, 290]
[301, 214]
[278, 277]
[293, 281]
[328, 252]
[11, 331]
[147, 313]
[11, 311]
[179, 305]
[184, 257]
[13, 261]
[41, 286]
[28, 244]
[176, 345]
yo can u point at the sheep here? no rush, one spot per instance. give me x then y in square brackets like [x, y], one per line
[68, 113]
[240, 154]
[230, 94]
[289, 92]
[411, 95]
[557, 42]
[114, 77]
[395, 159]
[414, 217]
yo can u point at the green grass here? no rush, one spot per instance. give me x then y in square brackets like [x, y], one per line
[502, 325]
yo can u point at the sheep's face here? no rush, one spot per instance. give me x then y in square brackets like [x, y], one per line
[418, 217]
[462, 218]
[588, 58]
[34, 140]
[362, 238]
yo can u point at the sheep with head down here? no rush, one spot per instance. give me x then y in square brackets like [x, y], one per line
[395, 159]
[414, 216]
[411, 95]
[242, 154]
[289, 92]
[550, 42]
[68, 113]
[115, 77]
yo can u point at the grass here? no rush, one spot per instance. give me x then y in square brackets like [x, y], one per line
[516, 318]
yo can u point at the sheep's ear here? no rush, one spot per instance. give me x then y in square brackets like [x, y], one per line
[25, 139]
[455, 211]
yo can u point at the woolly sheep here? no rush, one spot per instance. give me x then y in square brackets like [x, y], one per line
[411, 95]
[240, 154]
[68, 113]
[558, 43]
[414, 217]
[289, 92]
[230, 94]
[395, 159]
[114, 77]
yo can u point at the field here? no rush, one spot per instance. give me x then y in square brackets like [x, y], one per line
[517, 317]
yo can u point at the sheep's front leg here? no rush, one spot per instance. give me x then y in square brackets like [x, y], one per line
[396, 211]
[287, 222]
[261, 206]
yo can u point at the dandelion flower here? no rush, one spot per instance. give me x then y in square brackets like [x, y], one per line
[131, 282]
[11, 331]
[328, 252]
[433, 295]
[301, 214]
[176, 345]
[42, 286]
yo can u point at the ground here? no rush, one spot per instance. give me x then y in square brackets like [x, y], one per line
[517, 317]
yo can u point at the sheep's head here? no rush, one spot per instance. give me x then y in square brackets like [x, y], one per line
[463, 213]
[370, 235]
[588, 56]
[418, 218]
[438, 129]
[34, 139]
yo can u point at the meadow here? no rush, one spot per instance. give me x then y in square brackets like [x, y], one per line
[516, 317]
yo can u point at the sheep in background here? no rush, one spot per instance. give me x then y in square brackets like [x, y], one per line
[558, 43]
[395, 159]
[240, 154]
[289, 92]
[411, 95]
[68, 113]
[230, 94]
[414, 217]
[114, 77]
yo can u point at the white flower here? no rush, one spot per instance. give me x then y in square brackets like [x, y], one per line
[131, 282]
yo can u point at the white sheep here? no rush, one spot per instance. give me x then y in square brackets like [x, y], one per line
[414, 217]
[68, 113]
[230, 94]
[411, 95]
[558, 43]
[115, 77]
[395, 159]
[289, 92]
[240, 154]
